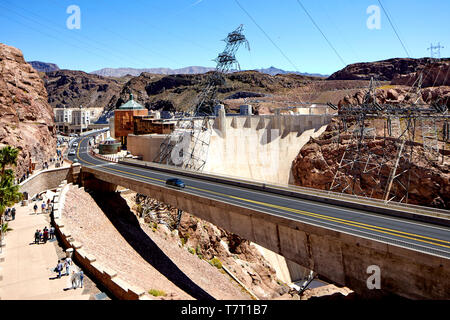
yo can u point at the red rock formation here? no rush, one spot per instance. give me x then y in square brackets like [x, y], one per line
[434, 75]
[402, 94]
[26, 119]
[384, 70]
[318, 161]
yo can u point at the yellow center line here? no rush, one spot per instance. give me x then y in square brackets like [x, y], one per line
[338, 220]
[393, 232]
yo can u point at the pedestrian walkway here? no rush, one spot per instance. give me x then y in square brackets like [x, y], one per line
[26, 272]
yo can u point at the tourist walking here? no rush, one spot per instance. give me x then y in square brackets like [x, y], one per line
[43, 206]
[35, 208]
[37, 237]
[52, 232]
[74, 279]
[67, 264]
[81, 276]
[59, 268]
[45, 235]
[41, 236]
[13, 213]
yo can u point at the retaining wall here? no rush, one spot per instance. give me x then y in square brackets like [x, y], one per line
[107, 277]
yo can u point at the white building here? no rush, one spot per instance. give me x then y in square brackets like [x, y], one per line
[72, 120]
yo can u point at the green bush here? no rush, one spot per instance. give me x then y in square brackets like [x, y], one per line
[157, 293]
[216, 263]
[191, 250]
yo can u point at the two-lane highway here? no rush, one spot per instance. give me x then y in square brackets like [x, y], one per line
[403, 232]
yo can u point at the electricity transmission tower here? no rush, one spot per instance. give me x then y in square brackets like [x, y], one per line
[371, 161]
[187, 146]
[435, 51]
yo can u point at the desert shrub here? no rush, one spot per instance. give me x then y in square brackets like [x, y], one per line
[157, 293]
[216, 263]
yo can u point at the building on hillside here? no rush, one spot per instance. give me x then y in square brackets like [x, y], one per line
[123, 119]
[72, 120]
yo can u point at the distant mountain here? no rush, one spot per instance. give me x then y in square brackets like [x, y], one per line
[120, 72]
[43, 66]
[274, 71]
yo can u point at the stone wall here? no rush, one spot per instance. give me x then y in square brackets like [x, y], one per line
[107, 277]
[45, 180]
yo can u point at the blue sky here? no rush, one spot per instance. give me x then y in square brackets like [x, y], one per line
[180, 33]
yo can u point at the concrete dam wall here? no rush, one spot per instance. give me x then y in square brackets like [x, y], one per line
[258, 148]
[261, 147]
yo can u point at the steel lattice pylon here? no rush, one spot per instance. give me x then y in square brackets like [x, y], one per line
[189, 142]
[389, 167]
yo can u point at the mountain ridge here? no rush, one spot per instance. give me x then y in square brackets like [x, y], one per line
[120, 72]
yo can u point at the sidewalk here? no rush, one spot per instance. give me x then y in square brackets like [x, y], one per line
[26, 273]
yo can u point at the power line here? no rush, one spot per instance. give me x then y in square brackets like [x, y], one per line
[318, 28]
[395, 30]
[91, 44]
[267, 36]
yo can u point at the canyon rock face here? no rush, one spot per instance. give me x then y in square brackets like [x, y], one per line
[208, 241]
[67, 88]
[402, 94]
[317, 162]
[179, 92]
[26, 119]
[433, 75]
[384, 70]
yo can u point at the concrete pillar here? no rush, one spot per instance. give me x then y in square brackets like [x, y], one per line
[222, 123]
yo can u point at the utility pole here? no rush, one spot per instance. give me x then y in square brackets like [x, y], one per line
[435, 51]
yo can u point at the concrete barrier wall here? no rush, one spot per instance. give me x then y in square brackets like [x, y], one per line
[342, 258]
[45, 180]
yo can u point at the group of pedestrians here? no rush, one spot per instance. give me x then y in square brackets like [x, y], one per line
[76, 277]
[10, 214]
[46, 207]
[25, 176]
[44, 235]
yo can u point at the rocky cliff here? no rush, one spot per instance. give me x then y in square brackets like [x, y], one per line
[400, 94]
[178, 92]
[26, 119]
[318, 161]
[74, 88]
[213, 244]
[433, 75]
[384, 70]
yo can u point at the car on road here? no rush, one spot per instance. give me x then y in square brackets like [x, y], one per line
[175, 183]
[72, 152]
[75, 144]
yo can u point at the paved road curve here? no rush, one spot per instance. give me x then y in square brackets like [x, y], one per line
[407, 233]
